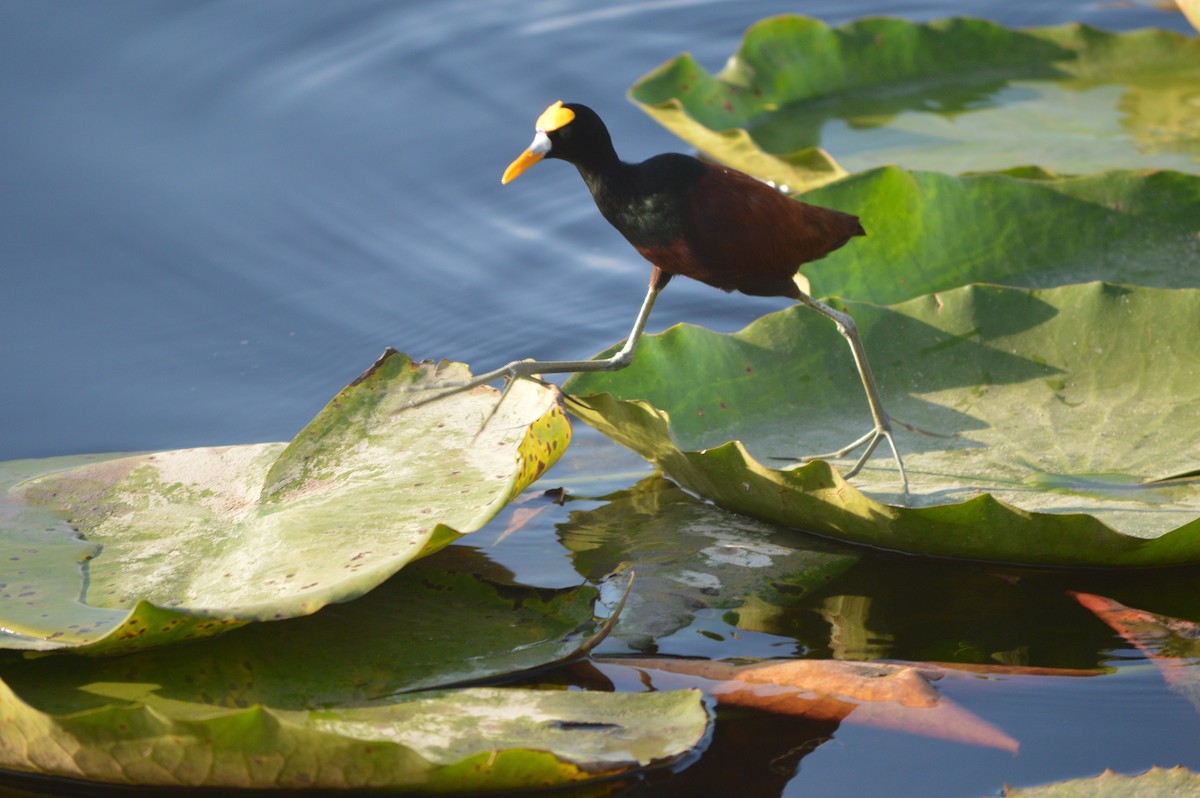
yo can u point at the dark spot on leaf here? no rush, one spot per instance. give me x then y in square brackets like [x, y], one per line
[582, 725]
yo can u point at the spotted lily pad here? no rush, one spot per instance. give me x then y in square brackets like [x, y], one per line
[952, 95]
[115, 554]
[438, 622]
[1066, 408]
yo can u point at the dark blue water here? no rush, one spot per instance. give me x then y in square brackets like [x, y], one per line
[215, 215]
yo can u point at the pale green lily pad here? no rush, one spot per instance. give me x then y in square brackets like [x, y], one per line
[951, 95]
[438, 622]
[190, 543]
[689, 556]
[1066, 404]
[931, 232]
[1176, 782]
[458, 741]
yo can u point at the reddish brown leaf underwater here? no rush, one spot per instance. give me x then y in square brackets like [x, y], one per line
[883, 695]
[1173, 644]
[520, 517]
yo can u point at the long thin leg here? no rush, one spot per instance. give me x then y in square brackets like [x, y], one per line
[883, 427]
[520, 369]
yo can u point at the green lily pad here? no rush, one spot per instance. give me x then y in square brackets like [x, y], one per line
[1068, 408]
[952, 95]
[130, 552]
[931, 232]
[690, 556]
[1154, 783]
[457, 741]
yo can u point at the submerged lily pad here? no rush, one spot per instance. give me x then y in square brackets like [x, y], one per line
[1067, 408]
[143, 550]
[953, 95]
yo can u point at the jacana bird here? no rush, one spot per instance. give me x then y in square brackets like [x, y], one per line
[704, 221]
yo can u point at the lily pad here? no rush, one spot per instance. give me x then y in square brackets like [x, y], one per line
[1154, 783]
[953, 95]
[1067, 408]
[932, 232]
[438, 622]
[137, 551]
[328, 700]
[458, 741]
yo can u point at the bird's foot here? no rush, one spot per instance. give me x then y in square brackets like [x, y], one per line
[433, 392]
[510, 374]
[871, 440]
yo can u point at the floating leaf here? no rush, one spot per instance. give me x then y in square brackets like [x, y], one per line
[110, 556]
[952, 95]
[317, 701]
[1066, 404]
[463, 740]
[436, 623]
[932, 232]
[1154, 783]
